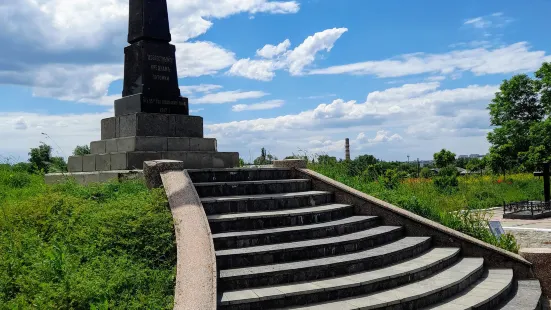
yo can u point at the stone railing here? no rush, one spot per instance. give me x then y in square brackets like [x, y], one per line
[196, 260]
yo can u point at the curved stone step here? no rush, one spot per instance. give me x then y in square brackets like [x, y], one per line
[280, 296]
[308, 249]
[486, 293]
[241, 239]
[266, 202]
[217, 189]
[527, 296]
[239, 174]
[240, 278]
[417, 294]
[280, 218]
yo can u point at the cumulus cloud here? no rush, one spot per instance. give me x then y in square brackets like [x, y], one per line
[381, 136]
[513, 58]
[270, 51]
[266, 105]
[202, 88]
[229, 96]
[293, 61]
[405, 101]
[54, 40]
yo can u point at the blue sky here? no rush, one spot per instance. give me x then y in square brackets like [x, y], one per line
[396, 77]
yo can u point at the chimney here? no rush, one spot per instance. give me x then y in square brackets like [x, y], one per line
[347, 149]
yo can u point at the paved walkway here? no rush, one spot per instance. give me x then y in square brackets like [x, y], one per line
[529, 233]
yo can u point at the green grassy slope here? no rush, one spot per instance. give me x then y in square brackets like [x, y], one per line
[74, 247]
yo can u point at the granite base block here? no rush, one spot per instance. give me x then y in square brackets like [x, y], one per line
[152, 124]
[153, 144]
[85, 178]
[135, 160]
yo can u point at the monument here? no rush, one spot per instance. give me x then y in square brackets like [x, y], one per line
[152, 119]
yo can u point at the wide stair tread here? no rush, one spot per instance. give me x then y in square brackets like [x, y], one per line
[239, 174]
[412, 295]
[278, 213]
[262, 196]
[325, 267]
[251, 182]
[481, 293]
[233, 188]
[307, 249]
[382, 278]
[526, 297]
[310, 243]
[293, 233]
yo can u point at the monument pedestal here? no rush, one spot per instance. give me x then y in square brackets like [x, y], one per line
[152, 120]
[129, 140]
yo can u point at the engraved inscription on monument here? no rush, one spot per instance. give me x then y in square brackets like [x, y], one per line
[150, 72]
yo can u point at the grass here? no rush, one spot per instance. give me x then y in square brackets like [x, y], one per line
[422, 197]
[108, 246]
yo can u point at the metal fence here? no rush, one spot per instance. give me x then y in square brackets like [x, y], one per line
[532, 207]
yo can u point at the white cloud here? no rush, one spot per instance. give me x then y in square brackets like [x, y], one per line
[52, 23]
[262, 70]
[478, 22]
[381, 136]
[202, 88]
[270, 51]
[293, 61]
[319, 96]
[67, 131]
[494, 20]
[79, 83]
[406, 101]
[266, 105]
[50, 27]
[201, 58]
[305, 53]
[507, 59]
[20, 124]
[229, 96]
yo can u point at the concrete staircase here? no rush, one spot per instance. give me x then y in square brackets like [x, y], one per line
[280, 244]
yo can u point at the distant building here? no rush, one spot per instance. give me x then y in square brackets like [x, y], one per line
[476, 156]
[463, 156]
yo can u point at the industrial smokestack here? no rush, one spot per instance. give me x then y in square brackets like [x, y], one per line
[347, 149]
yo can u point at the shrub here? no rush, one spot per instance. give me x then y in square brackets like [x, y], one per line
[446, 180]
[107, 246]
[426, 173]
[390, 179]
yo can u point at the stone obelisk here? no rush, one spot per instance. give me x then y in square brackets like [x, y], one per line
[152, 119]
[150, 72]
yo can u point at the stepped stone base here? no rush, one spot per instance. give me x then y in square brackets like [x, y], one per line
[148, 124]
[150, 144]
[135, 160]
[93, 177]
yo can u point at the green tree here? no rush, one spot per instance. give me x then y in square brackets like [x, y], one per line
[81, 150]
[264, 158]
[446, 180]
[462, 162]
[444, 158]
[426, 173]
[517, 111]
[41, 160]
[360, 164]
[475, 164]
[327, 160]
[40, 157]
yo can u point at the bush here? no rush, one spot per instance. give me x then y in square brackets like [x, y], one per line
[426, 173]
[108, 246]
[390, 179]
[446, 180]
